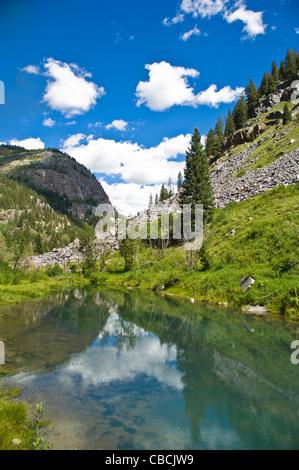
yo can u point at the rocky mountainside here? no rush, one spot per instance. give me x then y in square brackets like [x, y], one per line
[68, 186]
[270, 107]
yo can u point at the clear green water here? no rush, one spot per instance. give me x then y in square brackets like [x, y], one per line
[136, 371]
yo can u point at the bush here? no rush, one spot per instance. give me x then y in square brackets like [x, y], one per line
[74, 268]
[53, 271]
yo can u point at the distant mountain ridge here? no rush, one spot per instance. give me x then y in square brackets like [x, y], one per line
[66, 184]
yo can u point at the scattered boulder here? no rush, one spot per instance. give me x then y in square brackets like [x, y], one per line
[246, 283]
[256, 310]
[228, 188]
[160, 288]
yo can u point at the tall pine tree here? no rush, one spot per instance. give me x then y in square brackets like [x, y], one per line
[282, 71]
[290, 65]
[210, 143]
[180, 180]
[268, 85]
[197, 187]
[240, 112]
[230, 127]
[275, 72]
[252, 96]
[219, 137]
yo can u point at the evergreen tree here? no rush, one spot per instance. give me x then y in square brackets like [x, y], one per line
[240, 112]
[163, 193]
[252, 96]
[272, 87]
[275, 72]
[180, 180]
[281, 71]
[156, 200]
[268, 85]
[230, 127]
[129, 250]
[219, 137]
[197, 187]
[39, 244]
[290, 65]
[210, 143]
[287, 115]
[89, 249]
[150, 202]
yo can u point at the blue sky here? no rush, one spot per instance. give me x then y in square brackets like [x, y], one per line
[120, 85]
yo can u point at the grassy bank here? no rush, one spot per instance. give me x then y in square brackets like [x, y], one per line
[264, 245]
[16, 432]
[38, 287]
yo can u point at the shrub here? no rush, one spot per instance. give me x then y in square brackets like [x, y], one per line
[53, 271]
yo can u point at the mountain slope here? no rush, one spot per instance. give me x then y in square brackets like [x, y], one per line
[28, 224]
[68, 186]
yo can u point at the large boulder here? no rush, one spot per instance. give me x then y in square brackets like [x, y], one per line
[246, 283]
[244, 135]
[275, 115]
[272, 100]
[292, 92]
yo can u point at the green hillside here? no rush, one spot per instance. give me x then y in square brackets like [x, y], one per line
[28, 225]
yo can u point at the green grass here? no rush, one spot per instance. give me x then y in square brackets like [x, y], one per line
[30, 290]
[265, 247]
[14, 423]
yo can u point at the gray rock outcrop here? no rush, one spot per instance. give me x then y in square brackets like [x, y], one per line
[70, 254]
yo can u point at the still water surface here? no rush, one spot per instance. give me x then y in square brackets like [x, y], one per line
[137, 371]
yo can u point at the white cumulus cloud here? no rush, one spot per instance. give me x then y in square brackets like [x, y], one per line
[177, 19]
[168, 86]
[230, 10]
[130, 161]
[193, 32]
[203, 8]
[214, 98]
[33, 69]
[253, 21]
[118, 124]
[29, 144]
[49, 122]
[68, 89]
